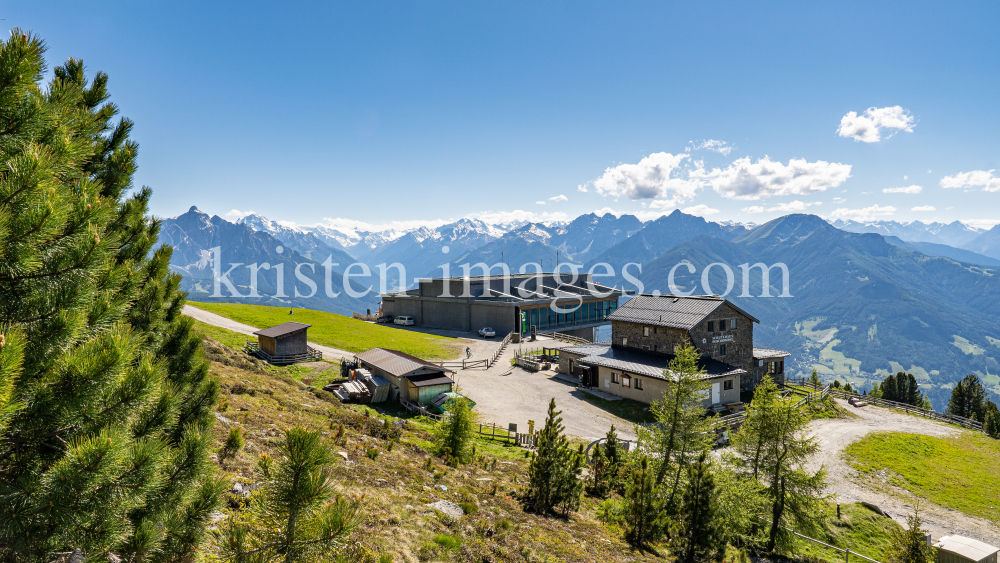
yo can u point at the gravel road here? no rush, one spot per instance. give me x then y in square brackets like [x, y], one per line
[834, 435]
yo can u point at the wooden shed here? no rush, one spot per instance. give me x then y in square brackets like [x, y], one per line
[284, 344]
[410, 378]
[960, 549]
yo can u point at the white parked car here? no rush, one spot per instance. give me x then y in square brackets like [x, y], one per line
[487, 332]
[405, 321]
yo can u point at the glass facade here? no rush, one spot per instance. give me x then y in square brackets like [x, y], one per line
[546, 318]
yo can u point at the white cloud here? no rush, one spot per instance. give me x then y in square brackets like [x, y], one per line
[539, 203]
[720, 147]
[924, 208]
[559, 198]
[839, 200]
[662, 204]
[787, 207]
[648, 179]
[496, 217]
[238, 214]
[982, 223]
[864, 214]
[765, 178]
[605, 210]
[352, 225]
[907, 190]
[581, 188]
[868, 127]
[906, 177]
[700, 210]
[976, 178]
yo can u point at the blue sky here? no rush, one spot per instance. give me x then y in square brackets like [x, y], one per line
[422, 111]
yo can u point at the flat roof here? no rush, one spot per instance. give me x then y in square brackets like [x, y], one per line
[282, 329]
[966, 547]
[429, 380]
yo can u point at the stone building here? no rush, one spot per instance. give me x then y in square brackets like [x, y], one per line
[645, 332]
[514, 303]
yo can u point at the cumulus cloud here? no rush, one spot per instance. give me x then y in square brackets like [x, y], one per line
[766, 178]
[973, 179]
[907, 190]
[720, 147]
[539, 203]
[869, 126]
[559, 197]
[839, 200]
[699, 210]
[605, 210]
[581, 188]
[236, 213]
[648, 179]
[924, 208]
[787, 207]
[662, 204]
[865, 213]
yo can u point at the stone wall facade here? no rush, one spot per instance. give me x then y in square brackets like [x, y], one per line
[738, 342]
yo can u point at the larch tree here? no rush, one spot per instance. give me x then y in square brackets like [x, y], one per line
[107, 402]
[681, 430]
[908, 545]
[455, 435]
[968, 399]
[773, 446]
[647, 516]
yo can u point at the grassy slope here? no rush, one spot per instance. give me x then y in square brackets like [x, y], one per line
[858, 529]
[339, 331]
[396, 486]
[961, 472]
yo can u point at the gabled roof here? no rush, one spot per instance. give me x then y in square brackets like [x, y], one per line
[397, 363]
[673, 311]
[282, 329]
[648, 364]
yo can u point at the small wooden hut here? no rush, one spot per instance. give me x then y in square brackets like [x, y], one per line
[284, 344]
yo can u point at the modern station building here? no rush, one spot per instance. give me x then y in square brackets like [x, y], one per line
[515, 303]
[647, 329]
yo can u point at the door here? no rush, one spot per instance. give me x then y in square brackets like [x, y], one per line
[716, 389]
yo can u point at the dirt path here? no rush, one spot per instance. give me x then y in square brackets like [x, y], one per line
[834, 435]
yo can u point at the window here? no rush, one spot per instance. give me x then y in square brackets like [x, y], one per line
[638, 384]
[711, 326]
[727, 385]
[626, 381]
[614, 377]
[645, 331]
[732, 324]
[625, 341]
[722, 349]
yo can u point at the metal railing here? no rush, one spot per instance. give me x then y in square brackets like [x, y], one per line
[570, 338]
[905, 407]
[846, 551]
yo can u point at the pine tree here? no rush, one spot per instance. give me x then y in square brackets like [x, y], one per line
[681, 429]
[773, 446]
[697, 535]
[909, 545]
[991, 423]
[455, 434]
[647, 517]
[599, 470]
[107, 401]
[554, 470]
[968, 399]
[296, 513]
[615, 456]
[890, 388]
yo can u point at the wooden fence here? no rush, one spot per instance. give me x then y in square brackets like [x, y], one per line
[814, 396]
[364, 317]
[485, 363]
[934, 415]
